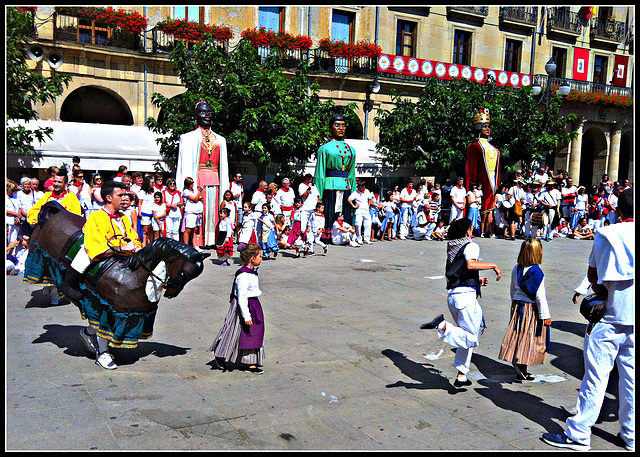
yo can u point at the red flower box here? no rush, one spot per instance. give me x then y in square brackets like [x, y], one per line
[193, 31]
[282, 40]
[125, 20]
[341, 49]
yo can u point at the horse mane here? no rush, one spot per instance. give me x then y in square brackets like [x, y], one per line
[49, 209]
[163, 247]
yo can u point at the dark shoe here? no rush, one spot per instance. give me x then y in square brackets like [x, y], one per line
[434, 323]
[526, 377]
[71, 285]
[562, 440]
[458, 383]
[90, 341]
[255, 370]
[220, 363]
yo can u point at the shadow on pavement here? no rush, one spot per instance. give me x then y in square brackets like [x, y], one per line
[67, 337]
[427, 376]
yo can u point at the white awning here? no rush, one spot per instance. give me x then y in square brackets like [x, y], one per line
[368, 162]
[99, 146]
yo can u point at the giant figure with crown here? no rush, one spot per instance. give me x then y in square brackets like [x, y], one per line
[483, 160]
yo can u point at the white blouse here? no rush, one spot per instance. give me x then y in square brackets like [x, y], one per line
[247, 285]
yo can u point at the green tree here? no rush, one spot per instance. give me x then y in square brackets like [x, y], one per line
[437, 128]
[25, 88]
[265, 115]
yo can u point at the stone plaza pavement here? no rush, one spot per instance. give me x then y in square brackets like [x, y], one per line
[347, 366]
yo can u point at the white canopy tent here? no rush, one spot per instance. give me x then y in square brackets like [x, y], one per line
[368, 162]
[99, 147]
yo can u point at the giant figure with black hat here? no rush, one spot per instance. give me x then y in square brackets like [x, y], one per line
[202, 156]
[335, 175]
[483, 163]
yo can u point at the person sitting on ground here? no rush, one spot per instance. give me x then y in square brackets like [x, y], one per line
[342, 233]
[440, 232]
[582, 231]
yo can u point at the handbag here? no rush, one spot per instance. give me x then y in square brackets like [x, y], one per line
[593, 306]
[518, 208]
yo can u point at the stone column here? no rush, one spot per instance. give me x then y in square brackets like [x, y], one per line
[614, 151]
[576, 150]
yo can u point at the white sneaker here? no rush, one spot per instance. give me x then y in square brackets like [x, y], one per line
[368, 242]
[354, 244]
[493, 236]
[105, 360]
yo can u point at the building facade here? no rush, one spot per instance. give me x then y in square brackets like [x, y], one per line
[115, 75]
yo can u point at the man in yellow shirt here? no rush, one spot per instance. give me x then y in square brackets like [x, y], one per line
[59, 194]
[107, 232]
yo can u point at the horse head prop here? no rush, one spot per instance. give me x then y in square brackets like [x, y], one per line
[121, 280]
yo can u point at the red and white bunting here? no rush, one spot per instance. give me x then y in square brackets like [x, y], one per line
[428, 68]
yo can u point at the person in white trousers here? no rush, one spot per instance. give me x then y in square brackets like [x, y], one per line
[611, 340]
[360, 201]
[463, 282]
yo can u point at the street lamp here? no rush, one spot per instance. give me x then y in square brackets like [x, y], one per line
[372, 88]
[564, 89]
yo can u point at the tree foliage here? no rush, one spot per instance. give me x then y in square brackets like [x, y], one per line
[437, 128]
[26, 88]
[265, 115]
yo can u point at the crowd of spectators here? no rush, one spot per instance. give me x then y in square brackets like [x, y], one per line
[409, 210]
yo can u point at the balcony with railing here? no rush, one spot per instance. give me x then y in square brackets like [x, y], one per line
[607, 29]
[320, 61]
[474, 11]
[164, 43]
[88, 31]
[519, 15]
[583, 86]
[564, 21]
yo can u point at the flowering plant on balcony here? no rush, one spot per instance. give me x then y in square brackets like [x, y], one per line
[341, 49]
[599, 98]
[282, 40]
[125, 20]
[183, 29]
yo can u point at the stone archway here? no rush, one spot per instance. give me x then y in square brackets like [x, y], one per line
[96, 105]
[593, 157]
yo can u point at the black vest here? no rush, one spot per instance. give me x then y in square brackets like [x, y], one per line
[458, 275]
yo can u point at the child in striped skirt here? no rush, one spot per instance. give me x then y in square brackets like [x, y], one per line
[224, 237]
[526, 341]
[241, 338]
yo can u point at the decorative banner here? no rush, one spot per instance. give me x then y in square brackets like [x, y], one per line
[620, 65]
[420, 67]
[580, 63]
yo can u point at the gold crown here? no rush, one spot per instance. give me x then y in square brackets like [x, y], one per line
[481, 116]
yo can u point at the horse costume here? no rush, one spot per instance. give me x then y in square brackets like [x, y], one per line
[120, 294]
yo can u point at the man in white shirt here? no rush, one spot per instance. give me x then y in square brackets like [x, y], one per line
[310, 198]
[37, 194]
[530, 205]
[547, 199]
[458, 198]
[259, 197]
[360, 201]
[569, 192]
[285, 196]
[425, 223]
[407, 196]
[610, 341]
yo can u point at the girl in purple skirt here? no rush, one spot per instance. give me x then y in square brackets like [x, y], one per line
[241, 338]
